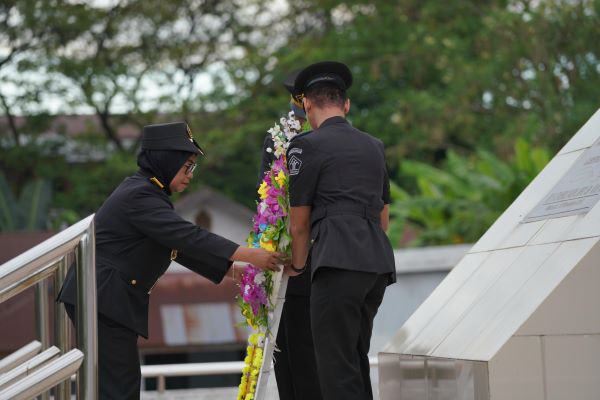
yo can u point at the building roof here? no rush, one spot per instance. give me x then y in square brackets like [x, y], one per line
[211, 198]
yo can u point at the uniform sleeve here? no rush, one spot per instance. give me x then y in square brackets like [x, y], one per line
[154, 217]
[304, 164]
[210, 267]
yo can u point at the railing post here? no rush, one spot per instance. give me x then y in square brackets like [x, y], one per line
[62, 331]
[86, 319]
[42, 319]
[161, 384]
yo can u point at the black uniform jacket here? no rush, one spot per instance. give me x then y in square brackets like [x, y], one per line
[341, 173]
[136, 232]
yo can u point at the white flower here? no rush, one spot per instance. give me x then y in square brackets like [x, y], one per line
[259, 278]
[284, 241]
[282, 133]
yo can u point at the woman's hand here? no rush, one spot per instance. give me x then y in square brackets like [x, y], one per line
[265, 260]
[260, 258]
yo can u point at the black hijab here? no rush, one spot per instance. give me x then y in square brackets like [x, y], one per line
[162, 164]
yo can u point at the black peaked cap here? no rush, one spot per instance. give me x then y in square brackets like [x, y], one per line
[170, 136]
[325, 71]
[296, 97]
[289, 82]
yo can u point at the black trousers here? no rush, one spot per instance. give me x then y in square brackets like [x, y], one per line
[119, 373]
[295, 364]
[343, 305]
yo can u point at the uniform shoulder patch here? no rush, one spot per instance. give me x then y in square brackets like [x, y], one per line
[294, 164]
[295, 150]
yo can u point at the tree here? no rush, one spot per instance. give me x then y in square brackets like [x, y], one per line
[27, 29]
[431, 79]
[458, 202]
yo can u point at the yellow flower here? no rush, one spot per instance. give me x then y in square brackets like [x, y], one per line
[280, 178]
[269, 246]
[262, 190]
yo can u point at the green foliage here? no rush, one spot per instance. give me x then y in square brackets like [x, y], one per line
[459, 201]
[9, 214]
[445, 83]
[31, 210]
[88, 185]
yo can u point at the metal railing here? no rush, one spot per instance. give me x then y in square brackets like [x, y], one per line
[45, 377]
[46, 260]
[34, 267]
[161, 372]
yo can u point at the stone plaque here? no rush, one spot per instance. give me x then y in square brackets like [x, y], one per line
[576, 193]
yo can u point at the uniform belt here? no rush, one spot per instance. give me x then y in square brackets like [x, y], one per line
[366, 212]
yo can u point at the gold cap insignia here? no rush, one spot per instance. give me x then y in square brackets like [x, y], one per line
[189, 132]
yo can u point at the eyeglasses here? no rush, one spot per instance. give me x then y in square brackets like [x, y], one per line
[190, 168]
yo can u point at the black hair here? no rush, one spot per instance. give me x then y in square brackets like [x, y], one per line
[325, 94]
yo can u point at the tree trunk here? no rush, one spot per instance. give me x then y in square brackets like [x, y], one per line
[108, 129]
[11, 121]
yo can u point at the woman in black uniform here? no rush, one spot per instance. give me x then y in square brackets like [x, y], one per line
[138, 234]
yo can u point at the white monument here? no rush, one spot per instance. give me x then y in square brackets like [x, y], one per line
[519, 317]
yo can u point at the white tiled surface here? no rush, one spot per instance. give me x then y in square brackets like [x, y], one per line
[484, 310]
[445, 290]
[589, 226]
[517, 373]
[573, 307]
[556, 229]
[500, 231]
[527, 299]
[522, 234]
[572, 367]
[529, 281]
[461, 300]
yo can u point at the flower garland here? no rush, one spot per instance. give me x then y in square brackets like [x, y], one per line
[270, 232]
[253, 361]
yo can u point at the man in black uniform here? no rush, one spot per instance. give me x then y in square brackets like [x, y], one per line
[138, 234]
[339, 197]
[295, 365]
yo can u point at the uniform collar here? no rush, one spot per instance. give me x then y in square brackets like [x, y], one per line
[333, 120]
